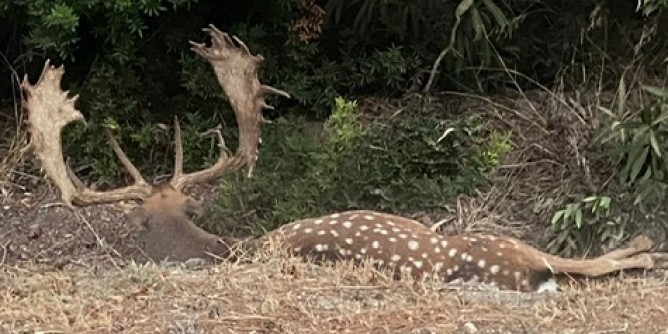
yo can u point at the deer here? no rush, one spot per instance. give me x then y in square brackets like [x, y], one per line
[163, 215]
[163, 219]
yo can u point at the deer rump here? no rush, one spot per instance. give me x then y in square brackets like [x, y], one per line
[164, 216]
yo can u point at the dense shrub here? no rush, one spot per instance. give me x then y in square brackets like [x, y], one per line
[411, 164]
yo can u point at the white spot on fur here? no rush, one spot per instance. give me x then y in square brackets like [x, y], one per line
[317, 221]
[321, 247]
[433, 240]
[403, 236]
[333, 222]
[308, 230]
[296, 226]
[335, 215]
[368, 217]
[375, 244]
[417, 264]
[349, 241]
[494, 269]
[364, 227]
[321, 232]
[334, 233]
[347, 224]
[481, 263]
[452, 252]
[392, 239]
[363, 251]
[396, 257]
[413, 245]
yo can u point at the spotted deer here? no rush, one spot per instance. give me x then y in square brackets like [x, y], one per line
[405, 246]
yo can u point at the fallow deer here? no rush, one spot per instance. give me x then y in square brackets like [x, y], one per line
[400, 244]
[163, 219]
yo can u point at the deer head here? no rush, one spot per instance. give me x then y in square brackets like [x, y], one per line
[163, 218]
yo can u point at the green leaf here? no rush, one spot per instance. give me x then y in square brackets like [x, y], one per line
[655, 143]
[557, 215]
[605, 202]
[638, 163]
[660, 92]
[578, 219]
[498, 14]
[478, 25]
[607, 111]
[463, 7]
[590, 199]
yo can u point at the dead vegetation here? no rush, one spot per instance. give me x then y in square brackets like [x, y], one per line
[286, 295]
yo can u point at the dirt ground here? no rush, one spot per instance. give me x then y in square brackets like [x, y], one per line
[79, 271]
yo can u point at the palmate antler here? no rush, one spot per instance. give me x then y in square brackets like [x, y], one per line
[49, 110]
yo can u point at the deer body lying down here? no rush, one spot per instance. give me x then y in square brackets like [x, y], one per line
[166, 231]
[403, 245]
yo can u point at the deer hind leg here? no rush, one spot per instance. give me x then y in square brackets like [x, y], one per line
[639, 244]
[620, 259]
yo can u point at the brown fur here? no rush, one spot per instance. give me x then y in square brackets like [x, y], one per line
[166, 230]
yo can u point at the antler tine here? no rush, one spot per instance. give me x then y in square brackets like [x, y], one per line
[178, 150]
[132, 170]
[139, 190]
[225, 162]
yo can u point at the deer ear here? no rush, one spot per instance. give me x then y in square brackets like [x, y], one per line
[193, 208]
[138, 217]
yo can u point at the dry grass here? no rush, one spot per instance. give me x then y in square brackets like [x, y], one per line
[286, 295]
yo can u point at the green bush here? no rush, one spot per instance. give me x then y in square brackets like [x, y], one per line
[636, 144]
[411, 164]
